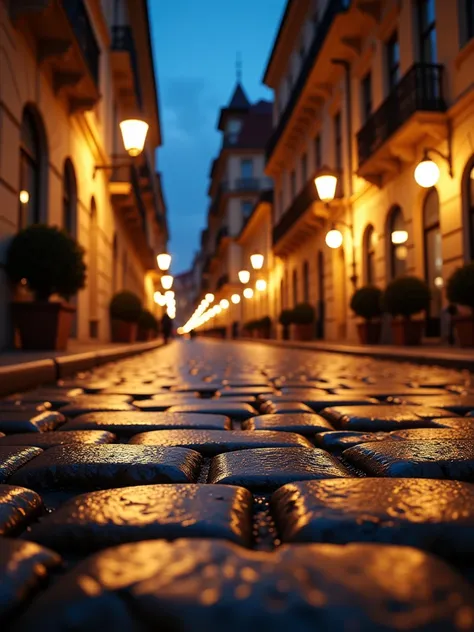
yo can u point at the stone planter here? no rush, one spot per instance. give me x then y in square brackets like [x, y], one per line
[369, 332]
[43, 326]
[303, 333]
[123, 332]
[464, 326]
[407, 332]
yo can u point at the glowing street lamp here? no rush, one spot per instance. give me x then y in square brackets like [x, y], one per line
[167, 281]
[244, 276]
[24, 196]
[399, 237]
[427, 173]
[224, 303]
[235, 298]
[261, 285]
[334, 238]
[248, 292]
[209, 297]
[256, 261]
[134, 134]
[164, 261]
[326, 184]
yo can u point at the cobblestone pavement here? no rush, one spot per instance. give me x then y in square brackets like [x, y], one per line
[231, 486]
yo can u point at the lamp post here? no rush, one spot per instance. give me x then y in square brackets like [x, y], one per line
[164, 261]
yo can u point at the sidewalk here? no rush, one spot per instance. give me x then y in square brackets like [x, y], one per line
[442, 355]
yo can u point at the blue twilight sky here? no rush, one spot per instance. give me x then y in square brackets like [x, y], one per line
[195, 44]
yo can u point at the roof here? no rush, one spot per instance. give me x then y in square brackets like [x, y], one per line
[238, 104]
[277, 39]
[256, 127]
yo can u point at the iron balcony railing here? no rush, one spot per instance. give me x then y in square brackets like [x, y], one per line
[420, 89]
[84, 32]
[322, 28]
[122, 40]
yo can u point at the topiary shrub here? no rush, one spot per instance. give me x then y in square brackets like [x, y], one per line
[406, 296]
[147, 321]
[460, 287]
[50, 260]
[286, 317]
[303, 314]
[366, 302]
[125, 306]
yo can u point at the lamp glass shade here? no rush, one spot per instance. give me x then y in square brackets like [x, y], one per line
[334, 238]
[209, 297]
[24, 196]
[235, 298]
[399, 237]
[261, 285]
[164, 261]
[224, 303]
[167, 281]
[248, 292]
[217, 309]
[244, 276]
[326, 187]
[134, 134]
[169, 294]
[257, 261]
[427, 173]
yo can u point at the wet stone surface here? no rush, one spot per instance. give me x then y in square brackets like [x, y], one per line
[297, 479]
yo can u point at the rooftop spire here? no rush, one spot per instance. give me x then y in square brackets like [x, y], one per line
[238, 66]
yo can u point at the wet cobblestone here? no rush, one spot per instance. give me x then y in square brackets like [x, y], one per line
[228, 485]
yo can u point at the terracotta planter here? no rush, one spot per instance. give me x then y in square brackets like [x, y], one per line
[465, 330]
[43, 325]
[123, 332]
[303, 333]
[369, 333]
[407, 332]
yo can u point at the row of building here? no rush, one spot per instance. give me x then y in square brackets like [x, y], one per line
[71, 71]
[365, 89]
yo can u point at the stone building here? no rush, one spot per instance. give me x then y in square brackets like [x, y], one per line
[70, 71]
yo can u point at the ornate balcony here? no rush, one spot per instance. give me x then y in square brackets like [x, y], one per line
[125, 65]
[413, 110]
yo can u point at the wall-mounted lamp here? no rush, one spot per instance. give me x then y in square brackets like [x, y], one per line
[134, 133]
[427, 171]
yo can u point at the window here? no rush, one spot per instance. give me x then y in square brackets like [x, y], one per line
[427, 31]
[295, 287]
[30, 171]
[370, 240]
[366, 96]
[398, 252]
[246, 206]
[233, 130]
[69, 198]
[338, 145]
[392, 49]
[466, 20]
[306, 282]
[304, 169]
[317, 152]
[432, 251]
[293, 184]
[246, 169]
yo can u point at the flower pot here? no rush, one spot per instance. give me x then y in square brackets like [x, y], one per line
[407, 332]
[303, 333]
[123, 331]
[369, 332]
[465, 330]
[43, 325]
[144, 335]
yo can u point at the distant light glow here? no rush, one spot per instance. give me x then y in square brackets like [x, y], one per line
[261, 285]
[248, 292]
[235, 298]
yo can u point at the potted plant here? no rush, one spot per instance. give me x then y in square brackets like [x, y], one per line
[48, 262]
[460, 291]
[303, 321]
[366, 302]
[125, 309]
[147, 326]
[403, 298]
[286, 319]
[265, 327]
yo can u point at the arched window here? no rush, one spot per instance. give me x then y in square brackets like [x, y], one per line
[433, 254]
[397, 238]
[295, 287]
[69, 198]
[32, 157]
[370, 240]
[469, 202]
[306, 282]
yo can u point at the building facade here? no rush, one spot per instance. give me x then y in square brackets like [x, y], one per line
[365, 88]
[186, 288]
[71, 70]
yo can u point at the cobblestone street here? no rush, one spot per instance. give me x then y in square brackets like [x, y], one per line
[236, 486]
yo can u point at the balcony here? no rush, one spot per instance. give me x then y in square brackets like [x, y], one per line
[334, 8]
[125, 65]
[64, 40]
[301, 219]
[413, 110]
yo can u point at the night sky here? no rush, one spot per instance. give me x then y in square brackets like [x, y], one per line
[195, 45]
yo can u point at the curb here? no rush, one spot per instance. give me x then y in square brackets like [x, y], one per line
[26, 375]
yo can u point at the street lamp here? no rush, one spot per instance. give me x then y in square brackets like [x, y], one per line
[24, 196]
[256, 261]
[326, 183]
[244, 276]
[167, 281]
[248, 292]
[164, 261]
[399, 237]
[209, 297]
[134, 134]
[224, 303]
[427, 171]
[334, 238]
[235, 298]
[261, 285]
